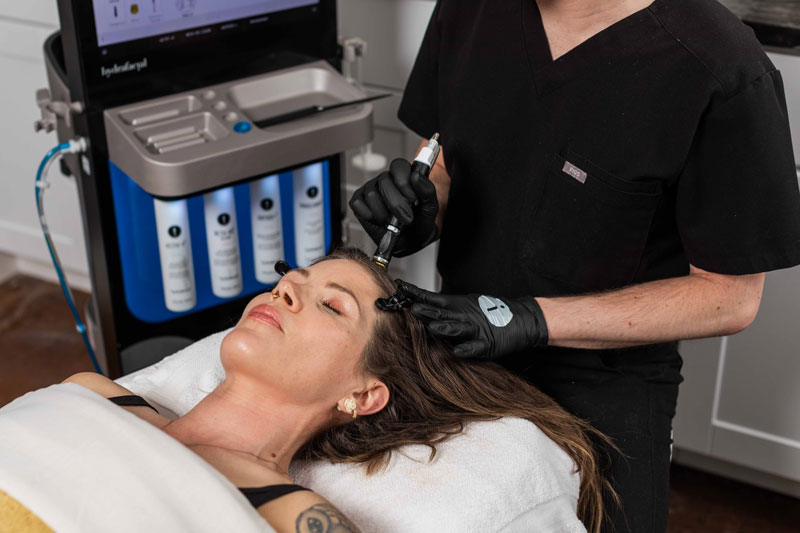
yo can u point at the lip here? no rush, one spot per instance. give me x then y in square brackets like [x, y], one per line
[267, 315]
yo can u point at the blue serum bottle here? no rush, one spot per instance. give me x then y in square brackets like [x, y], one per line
[223, 243]
[309, 214]
[265, 217]
[175, 251]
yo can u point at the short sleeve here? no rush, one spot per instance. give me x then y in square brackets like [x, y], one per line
[419, 110]
[738, 203]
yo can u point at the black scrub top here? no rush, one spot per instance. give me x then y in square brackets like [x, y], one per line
[659, 142]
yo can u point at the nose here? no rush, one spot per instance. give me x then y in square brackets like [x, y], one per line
[290, 294]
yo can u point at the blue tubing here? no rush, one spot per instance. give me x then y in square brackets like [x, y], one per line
[79, 325]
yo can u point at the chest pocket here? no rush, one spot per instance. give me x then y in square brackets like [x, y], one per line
[591, 227]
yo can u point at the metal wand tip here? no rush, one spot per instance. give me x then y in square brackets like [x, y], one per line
[435, 137]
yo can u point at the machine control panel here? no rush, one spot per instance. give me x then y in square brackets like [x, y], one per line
[119, 21]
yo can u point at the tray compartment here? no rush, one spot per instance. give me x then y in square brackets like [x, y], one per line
[268, 97]
[181, 133]
[147, 114]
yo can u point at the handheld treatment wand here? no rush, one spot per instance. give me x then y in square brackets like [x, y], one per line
[423, 165]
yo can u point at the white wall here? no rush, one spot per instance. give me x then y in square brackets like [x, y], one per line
[23, 28]
[393, 31]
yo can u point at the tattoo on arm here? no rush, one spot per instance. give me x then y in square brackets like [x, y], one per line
[324, 518]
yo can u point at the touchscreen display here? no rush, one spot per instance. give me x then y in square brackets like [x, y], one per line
[120, 21]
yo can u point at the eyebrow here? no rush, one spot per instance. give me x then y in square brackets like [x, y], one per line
[332, 285]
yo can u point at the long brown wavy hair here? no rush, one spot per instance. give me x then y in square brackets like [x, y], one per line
[434, 394]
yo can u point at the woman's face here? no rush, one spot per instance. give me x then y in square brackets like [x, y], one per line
[305, 345]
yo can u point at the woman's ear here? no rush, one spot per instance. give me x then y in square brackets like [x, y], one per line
[373, 399]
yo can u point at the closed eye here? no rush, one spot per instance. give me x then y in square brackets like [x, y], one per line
[329, 306]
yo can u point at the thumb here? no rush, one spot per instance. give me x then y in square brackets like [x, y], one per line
[421, 295]
[471, 349]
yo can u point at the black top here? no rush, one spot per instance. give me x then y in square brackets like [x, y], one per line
[257, 496]
[260, 495]
[131, 401]
[659, 142]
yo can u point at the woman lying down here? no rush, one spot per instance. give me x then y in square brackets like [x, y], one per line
[315, 370]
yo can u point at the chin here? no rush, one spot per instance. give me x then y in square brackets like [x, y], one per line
[241, 345]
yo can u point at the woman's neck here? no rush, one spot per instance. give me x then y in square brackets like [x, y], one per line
[235, 418]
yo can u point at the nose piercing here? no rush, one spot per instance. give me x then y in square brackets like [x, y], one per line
[282, 267]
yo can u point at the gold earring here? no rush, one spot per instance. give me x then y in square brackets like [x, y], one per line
[350, 407]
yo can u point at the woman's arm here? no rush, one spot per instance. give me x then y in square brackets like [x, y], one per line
[305, 512]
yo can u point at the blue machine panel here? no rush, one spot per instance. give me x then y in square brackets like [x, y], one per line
[139, 245]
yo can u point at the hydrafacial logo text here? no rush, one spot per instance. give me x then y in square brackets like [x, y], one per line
[128, 66]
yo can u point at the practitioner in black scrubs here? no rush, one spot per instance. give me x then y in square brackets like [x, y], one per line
[616, 175]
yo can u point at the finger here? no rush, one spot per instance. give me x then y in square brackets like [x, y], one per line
[375, 203]
[426, 191]
[428, 313]
[359, 205]
[453, 329]
[401, 173]
[471, 349]
[397, 203]
[421, 295]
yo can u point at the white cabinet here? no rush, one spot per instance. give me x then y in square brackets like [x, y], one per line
[739, 406]
[23, 28]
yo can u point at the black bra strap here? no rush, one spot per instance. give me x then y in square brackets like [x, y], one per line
[131, 401]
[258, 496]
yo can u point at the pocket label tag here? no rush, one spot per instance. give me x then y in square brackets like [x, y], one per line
[574, 172]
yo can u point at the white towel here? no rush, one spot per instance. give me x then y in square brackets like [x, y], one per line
[503, 475]
[179, 381]
[82, 464]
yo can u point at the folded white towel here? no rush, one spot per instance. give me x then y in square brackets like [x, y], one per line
[503, 475]
[481, 480]
[179, 381]
[82, 464]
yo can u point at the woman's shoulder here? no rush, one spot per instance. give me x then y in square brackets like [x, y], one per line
[99, 384]
[109, 389]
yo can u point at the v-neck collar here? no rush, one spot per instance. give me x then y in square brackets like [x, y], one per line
[602, 50]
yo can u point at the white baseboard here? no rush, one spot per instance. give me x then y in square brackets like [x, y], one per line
[8, 266]
[45, 271]
[730, 470]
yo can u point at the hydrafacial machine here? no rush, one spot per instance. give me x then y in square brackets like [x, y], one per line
[197, 166]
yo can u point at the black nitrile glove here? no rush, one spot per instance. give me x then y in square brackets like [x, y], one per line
[409, 196]
[479, 326]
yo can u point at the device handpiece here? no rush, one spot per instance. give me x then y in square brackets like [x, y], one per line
[423, 164]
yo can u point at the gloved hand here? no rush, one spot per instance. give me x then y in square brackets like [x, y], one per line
[479, 326]
[409, 196]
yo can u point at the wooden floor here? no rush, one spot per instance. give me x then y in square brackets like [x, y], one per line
[39, 346]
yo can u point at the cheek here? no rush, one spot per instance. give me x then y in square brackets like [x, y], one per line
[333, 354]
